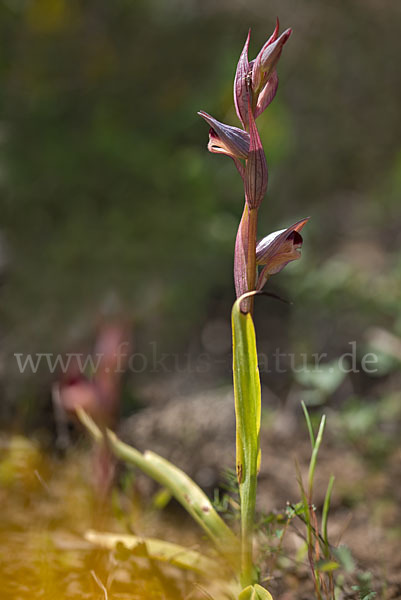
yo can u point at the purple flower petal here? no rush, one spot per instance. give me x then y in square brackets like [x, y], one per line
[267, 94]
[277, 249]
[224, 139]
[267, 59]
[241, 91]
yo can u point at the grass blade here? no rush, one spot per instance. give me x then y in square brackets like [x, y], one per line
[325, 514]
[315, 451]
[309, 424]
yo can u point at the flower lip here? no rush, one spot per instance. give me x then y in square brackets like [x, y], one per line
[296, 238]
[225, 139]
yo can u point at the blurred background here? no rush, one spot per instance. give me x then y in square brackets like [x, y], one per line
[109, 196]
[111, 204]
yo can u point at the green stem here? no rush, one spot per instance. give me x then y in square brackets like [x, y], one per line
[249, 485]
[248, 503]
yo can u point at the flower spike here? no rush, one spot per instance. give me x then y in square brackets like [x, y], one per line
[255, 86]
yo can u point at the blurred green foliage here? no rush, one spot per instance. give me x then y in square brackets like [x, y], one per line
[107, 187]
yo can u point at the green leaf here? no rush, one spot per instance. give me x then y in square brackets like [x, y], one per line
[255, 592]
[246, 391]
[184, 490]
[325, 514]
[247, 413]
[309, 424]
[315, 451]
[159, 550]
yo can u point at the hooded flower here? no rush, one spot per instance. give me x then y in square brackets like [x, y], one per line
[276, 250]
[224, 139]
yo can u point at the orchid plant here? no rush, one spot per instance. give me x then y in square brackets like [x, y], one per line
[255, 87]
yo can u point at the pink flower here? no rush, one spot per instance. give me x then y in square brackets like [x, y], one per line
[224, 139]
[276, 250]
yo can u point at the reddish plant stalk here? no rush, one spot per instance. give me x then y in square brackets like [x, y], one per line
[251, 254]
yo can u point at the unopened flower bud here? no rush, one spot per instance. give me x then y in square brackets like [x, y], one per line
[242, 85]
[266, 61]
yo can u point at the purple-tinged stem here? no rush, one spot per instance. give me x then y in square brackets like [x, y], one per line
[251, 258]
